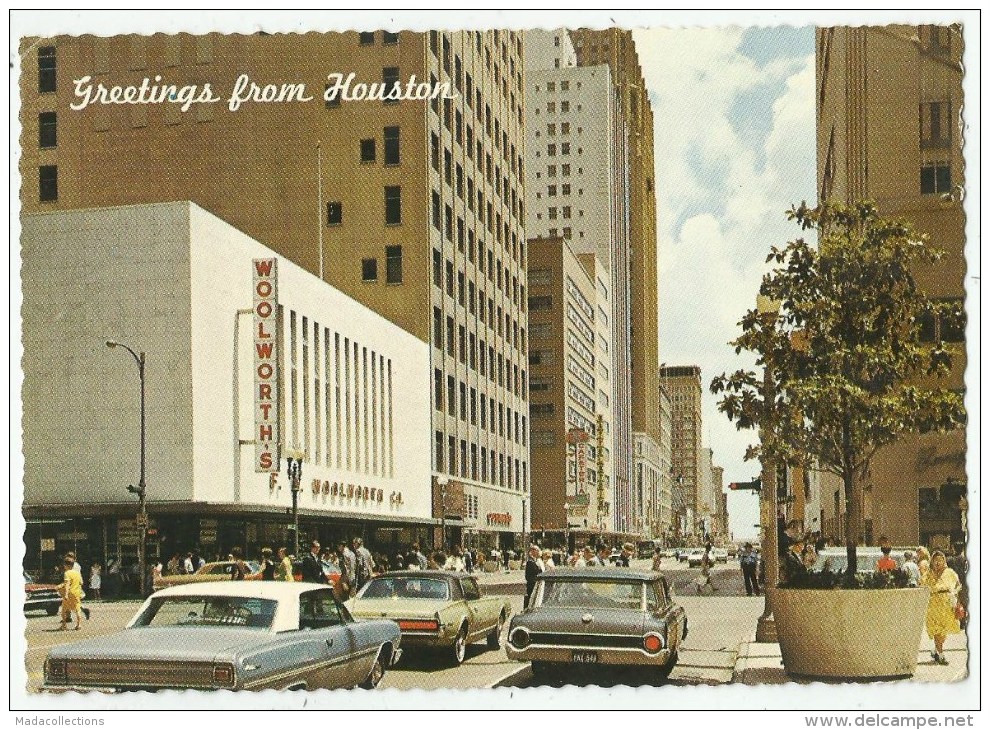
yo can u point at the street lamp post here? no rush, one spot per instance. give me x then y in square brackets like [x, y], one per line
[294, 460]
[142, 516]
[766, 631]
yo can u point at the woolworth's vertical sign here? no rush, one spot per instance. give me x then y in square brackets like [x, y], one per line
[266, 357]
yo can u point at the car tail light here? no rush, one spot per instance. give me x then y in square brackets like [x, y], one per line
[418, 625]
[519, 637]
[653, 643]
[55, 672]
[223, 675]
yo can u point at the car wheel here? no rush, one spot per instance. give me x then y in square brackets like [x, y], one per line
[495, 637]
[51, 610]
[377, 672]
[665, 670]
[460, 647]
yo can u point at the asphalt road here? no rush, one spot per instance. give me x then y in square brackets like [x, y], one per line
[718, 622]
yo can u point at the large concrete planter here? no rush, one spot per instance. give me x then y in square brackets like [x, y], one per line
[849, 634]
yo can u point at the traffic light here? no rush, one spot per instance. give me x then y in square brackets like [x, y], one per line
[754, 485]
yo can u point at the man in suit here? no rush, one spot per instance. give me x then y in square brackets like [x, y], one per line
[312, 569]
[533, 569]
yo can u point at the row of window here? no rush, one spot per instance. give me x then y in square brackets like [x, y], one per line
[368, 38]
[341, 399]
[484, 465]
[495, 417]
[393, 266]
[473, 298]
[440, 47]
[368, 147]
[477, 355]
[393, 208]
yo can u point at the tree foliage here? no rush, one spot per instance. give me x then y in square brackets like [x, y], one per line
[851, 367]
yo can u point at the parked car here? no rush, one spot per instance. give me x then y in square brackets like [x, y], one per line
[237, 635]
[682, 554]
[721, 555]
[694, 558]
[435, 608]
[599, 616]
[222, 570]
[41, 596]
[733, 550]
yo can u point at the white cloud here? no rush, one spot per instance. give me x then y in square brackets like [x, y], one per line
[721, 198]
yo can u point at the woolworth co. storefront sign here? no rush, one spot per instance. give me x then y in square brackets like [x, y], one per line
[266, 356]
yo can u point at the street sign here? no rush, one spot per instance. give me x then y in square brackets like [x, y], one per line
[577, 436]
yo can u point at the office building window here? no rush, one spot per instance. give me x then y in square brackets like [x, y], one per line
[437, 223]
[936, 178]
[935, 124]
[391, 145]
[437, 328]
[451, 395]
[331, 101]
[47, 130]
[46, 70]
[48, 183]
[369, 269]
[438, 389]
[390, 77]
[393, 264]
[335, 213]
[438, 450]
[437, 268]
[393, 205]
[367, 150]
[367, 38]
[390, 39]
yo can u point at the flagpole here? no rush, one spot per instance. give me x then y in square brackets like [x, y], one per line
[319, 202]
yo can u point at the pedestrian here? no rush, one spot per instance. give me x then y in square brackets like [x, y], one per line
[239, 570]
[809, 557]
[420, 558]
[312, 568]
[586, 557]
[793, 566]
[71, 591]
[960, 564]
[156, 571]
[455, 561]
[628, 551]
[886, 563]
[188, 566]
[941, 618]
[114, 583]
[283, 570]
[657, 559]
[95, 581]
[707, 563]
[348, 564]
[365, 564]
[910, 569]
[603, 555]
[468, 561]
[75, 563]
[748, 561]
[533, 569]
[505, 559]
[924, 561]
[546, 559]
[174, 565]
[267, 568]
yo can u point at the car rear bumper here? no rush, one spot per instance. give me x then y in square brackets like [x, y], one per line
[605, 655]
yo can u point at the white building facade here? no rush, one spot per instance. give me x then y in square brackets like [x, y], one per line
[348, 394]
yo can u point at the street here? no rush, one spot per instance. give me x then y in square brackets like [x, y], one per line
[718, 623]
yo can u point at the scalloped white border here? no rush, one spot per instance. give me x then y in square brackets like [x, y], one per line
[905, 699]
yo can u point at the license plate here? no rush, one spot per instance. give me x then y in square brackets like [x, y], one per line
[584, 657]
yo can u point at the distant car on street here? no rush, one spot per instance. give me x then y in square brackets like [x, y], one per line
[237, 635]
[682, 554]
[721, 555]
[695, 557]
[592, 616]
[222, 570]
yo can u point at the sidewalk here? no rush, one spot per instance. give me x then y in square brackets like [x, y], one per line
[761, 664]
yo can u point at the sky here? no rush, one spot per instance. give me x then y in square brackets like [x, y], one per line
[734, 123]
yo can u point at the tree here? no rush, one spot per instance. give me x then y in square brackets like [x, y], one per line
[852, 365]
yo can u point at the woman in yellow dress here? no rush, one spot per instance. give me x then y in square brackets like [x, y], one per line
[941, 617]
[71, 590]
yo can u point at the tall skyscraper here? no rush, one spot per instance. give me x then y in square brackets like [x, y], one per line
[413, 207]
[616, 48]
[683, 383]
[889, 129]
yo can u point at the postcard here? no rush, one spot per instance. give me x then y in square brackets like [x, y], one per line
[555, 359]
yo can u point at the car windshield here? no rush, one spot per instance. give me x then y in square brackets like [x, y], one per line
[208, 611]
[402, 587]
[592, 593]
